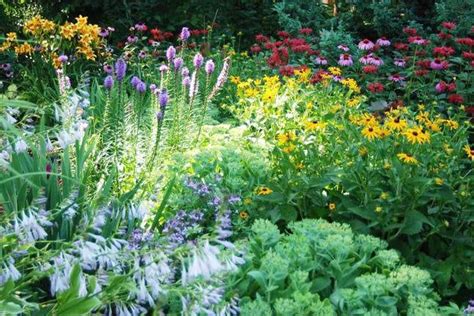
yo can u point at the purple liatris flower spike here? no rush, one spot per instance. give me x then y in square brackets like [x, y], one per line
[164, 68]
[185, 72]
[198, 60]
[108, 82]
[153, 87]
[120, 69]
[141, 87]
[135, 81]
[177, 63]
[186, 81]
[209, 67]
[185, 34]
[163, 98]
[170, 53]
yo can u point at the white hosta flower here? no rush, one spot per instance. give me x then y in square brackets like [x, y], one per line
[29, 226]
[21, 145]
[4, 158]
[60, 278]
[137, 211]
[10, 119]
[49, 145]
[65, 138]
[8, 271]
[204, 263]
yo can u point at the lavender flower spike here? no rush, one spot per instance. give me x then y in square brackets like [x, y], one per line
[198, 60]
[222, 78]
[209, 67]
[120, 69]
[164, 98]
[108, 82]
[185, 34]
[170, 53]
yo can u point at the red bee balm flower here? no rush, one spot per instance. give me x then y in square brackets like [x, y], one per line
[375, 87]
[449, 25]
[261, 38]
[443, 51]
[455, 99]
[465, 41]
[370, 69]
[283, 34]
[306, 31]
[468, 55]
[287, 71]
[255, 49]
[410, 31]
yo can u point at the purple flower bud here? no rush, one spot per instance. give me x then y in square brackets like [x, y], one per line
[153, 87]
[198, 60]
[135, 81]
[185, 34]
[186, 81]
[142, 54]
[141, 87]
[185, 72]
[209, 67]
[63, 58]
[164, 68]
[177, 63]
[159, 116]
[108, 82]
[120, 69]
[170, 53]
[108, 69]
[163, 98]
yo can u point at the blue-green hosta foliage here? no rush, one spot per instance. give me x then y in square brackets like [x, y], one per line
[323, 268]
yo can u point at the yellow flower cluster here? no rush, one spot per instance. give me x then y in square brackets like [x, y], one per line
[351, 84]
[45, 32]
[38, 25]
[267, 88]
[287, 140]
[87, 34]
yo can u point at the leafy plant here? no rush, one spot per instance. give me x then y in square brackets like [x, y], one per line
[323, 268]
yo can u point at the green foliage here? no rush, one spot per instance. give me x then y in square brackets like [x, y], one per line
[324, 268]
[294, 15]
[459, 11]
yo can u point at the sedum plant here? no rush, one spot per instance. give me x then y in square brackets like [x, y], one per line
[323, 268]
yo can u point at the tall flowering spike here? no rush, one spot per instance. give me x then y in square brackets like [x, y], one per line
[198, 60]
[135, 81]
[163, 98]
[177, 63]
[222, 78]
[120, 69]
[186, 81]
[185, 34]
[193, 86]
[209, 67]
[141, 87]
[185, 72]
[170, 53]
[108, 82]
